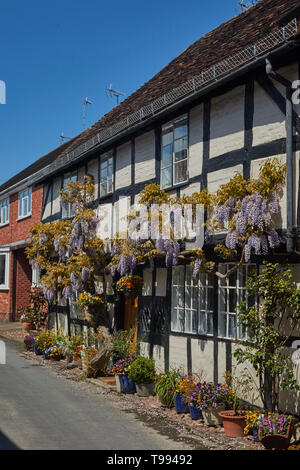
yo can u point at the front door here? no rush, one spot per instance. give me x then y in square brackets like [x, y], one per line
[131, 317]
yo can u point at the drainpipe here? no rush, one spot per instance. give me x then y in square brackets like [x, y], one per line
[289, 154]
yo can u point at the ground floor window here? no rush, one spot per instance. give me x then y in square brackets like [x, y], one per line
[4, 270]
[231, 293]
[192, 302]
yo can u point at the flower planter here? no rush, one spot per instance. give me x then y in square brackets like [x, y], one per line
[46, 356]
[118, 383]
[27, 327]
[255, 434]
[180, 405]
[211, 416]
[127, 385]
[145, 390]
[233, 425]
[195, 413]
[276, 441]
[38, 352]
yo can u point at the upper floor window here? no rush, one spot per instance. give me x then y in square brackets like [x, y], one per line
[67, 208]
[232, 292]
[4, 269]
[174, 152]
[106, 175]
[25, 203]
[4, 212]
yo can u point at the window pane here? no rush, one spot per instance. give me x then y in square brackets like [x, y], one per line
[188, 320]
[202, 323]
[174, 322]
[210, 323]
[103, 187]
[180, 130]
[25, 206]
[180, 172]
[167, 155]
[232, 300]
[232, 326]
[223, 300]
[210, 299]
[202, 302]
[222, 325]
[167, 138]
[181, 320]
[180, 146]
[2, 269]
[166, 177]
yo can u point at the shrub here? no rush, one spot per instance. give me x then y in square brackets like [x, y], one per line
[122, 344]
[142, 370]
[165, 387]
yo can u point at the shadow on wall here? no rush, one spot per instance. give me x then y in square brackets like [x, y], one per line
[7, 444]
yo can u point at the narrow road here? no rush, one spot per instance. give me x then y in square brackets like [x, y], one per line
[41, 411]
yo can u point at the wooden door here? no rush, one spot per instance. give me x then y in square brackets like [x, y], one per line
[131, 317]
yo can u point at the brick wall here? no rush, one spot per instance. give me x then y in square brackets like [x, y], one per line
[13, 232]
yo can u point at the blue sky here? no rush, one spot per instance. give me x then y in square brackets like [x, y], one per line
[54, 54]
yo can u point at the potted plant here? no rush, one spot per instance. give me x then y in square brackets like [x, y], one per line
[26, 319]
[120, 369]
[183, 390]
[252, 419]
[29, 342]
[165, 387]
[131, 285]
[142, 372]
[45, 340]
[211, 400]
[275, 431]
[54, 353]
[94, 307]
[195, 410]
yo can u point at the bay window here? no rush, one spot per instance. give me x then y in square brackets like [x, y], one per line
[174, 152]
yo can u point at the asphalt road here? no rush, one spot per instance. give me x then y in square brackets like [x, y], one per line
[41, 411]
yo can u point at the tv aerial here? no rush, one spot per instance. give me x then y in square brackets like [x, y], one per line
[63, 138]
[112, 92]
[86, 102]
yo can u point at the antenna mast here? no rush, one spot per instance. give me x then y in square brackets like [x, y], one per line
[112, 92]
[63, 137]
[86, 101]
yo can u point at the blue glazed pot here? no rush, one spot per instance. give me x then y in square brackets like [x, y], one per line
[127, 385]
[195, 413]
[46, 356]
[180, 405]
[38, 352]
[255, 434]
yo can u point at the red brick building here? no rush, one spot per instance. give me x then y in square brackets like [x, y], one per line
[21, 206]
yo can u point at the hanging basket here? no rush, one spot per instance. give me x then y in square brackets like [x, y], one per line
[130, 286]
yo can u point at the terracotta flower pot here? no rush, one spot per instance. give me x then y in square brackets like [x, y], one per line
[27, 327]
[276, 441]
[234, 425]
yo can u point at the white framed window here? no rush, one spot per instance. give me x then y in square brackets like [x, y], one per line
[192, 302]
[106, 175]
[174, 152]
[36, 276]
[4, 212]
[231, 292]
[25, 202]
[4, 270]
[67, 209]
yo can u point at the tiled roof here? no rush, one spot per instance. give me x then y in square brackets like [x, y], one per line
[224, 41]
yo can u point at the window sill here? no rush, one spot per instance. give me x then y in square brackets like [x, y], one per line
[175, 186]
[4, 288]
[4, 225]
[105, 196]
[23, 217]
